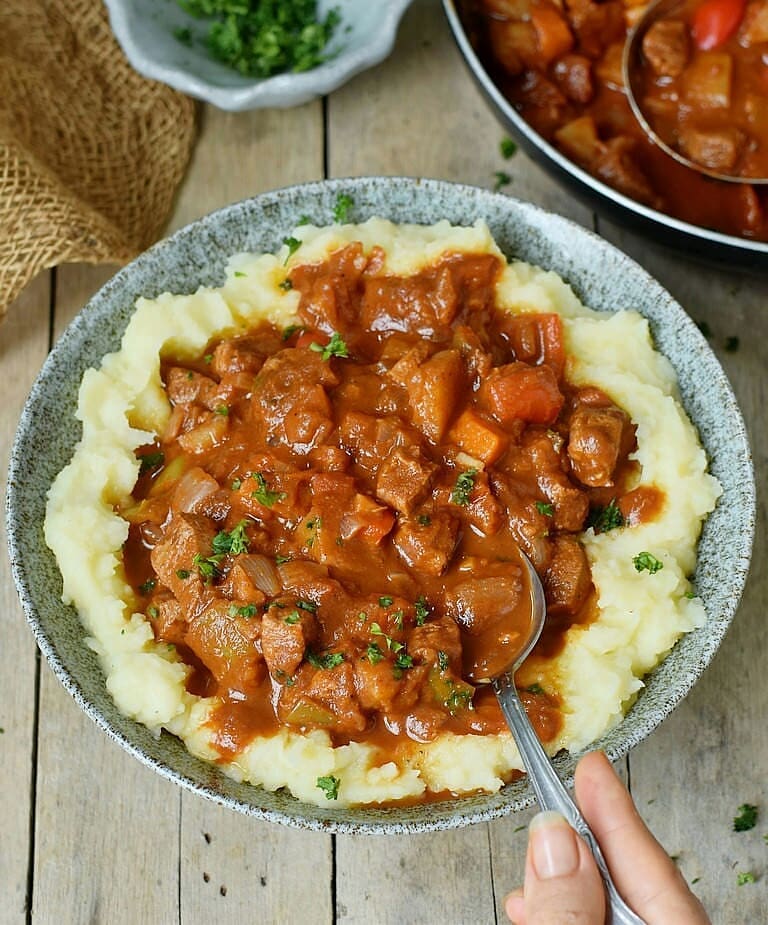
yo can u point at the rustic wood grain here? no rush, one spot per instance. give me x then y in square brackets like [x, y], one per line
[23, 346]
[115, 843]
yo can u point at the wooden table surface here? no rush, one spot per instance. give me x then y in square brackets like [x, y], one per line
[91, 836]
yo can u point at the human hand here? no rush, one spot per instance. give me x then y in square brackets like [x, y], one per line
[562, 882]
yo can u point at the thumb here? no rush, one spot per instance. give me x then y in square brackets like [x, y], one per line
[562, 883]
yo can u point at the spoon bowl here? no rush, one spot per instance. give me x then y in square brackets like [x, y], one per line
[630, 66]
[549, 789]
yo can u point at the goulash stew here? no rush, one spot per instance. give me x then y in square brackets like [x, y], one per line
[329, 527]
[705, 92]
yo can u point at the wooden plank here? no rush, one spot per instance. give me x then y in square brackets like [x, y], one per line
[281, 874]
[23, 346]
[691, 775]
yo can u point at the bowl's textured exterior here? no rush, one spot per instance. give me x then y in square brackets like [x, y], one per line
[145, 30]
[691, 240]
[602, 277]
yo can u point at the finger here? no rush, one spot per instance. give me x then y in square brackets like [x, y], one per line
[644, 874]
[514, 906]
[562, 883]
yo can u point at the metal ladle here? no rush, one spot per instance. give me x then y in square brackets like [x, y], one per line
[630, 67]
[549, 790]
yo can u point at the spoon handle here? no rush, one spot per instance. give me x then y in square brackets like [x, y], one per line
[551, 793]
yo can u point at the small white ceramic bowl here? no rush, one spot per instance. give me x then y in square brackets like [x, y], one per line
[145, 30]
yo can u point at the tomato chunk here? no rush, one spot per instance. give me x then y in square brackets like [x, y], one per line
[519, 392]
[715, 21]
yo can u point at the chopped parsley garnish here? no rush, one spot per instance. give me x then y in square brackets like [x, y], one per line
[442, 660]
[403, 660]
[208, 358]
[386, 601]
[152, 612]
[293, 244]
[392, 644]
[304, 220]
[502, 179]
[746, 819]
[281, 560]
[147, 586]
[223, 410]
[373, 653]
[330, 786]
[236, 483]
[689, 595]
[183, 34]
[312, 526]
[240, 273]
[343, 204]
[507, 148]
[263, 494]
[235, 542]
[327, 660]
[534, 688]
[264, 38]
[248, 611]
[459, 699]
[183, 573]
[334, 348]
[647, 562]
[309, 606]
[745, 877]
[425, 520]
[293, 617]
[422, 611]
[463, 487]
[286, 285]
[150, 461]
[207, 566]
[603, 519]
[545, 508]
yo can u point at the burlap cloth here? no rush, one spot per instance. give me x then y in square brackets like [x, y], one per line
[90, 152]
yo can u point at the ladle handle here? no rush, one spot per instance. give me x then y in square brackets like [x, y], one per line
[551, 793]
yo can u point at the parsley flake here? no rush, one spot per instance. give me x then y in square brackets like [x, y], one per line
[235, 542]
[422, 611]
[152, 612]
[286, 285]
[647, 562]
[293, 244]
[507, 148]
[746, 819]
[207, 566]
[745, 877]
[463, 487]
[330, 786]
[545, 508]
[385, 601]
[502, 179]
[248, 611]
[183, 573]
[373, 653]
[263, 494]
[334, 348]
[425, 520]
[147, 586]
[326, 661]
[150, 461]
[603, 519]
[293, 618]
[239, 273]
[442, 660]
[343, 204]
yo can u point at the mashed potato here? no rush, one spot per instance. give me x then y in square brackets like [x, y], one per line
[123, 404]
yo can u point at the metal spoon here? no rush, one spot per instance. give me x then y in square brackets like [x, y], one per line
[630, 67]
[547, 786]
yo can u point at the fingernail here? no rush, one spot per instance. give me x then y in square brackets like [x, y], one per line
[554, 851]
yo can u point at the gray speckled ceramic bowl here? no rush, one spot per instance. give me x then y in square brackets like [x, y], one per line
[146, 30]
[602, 277]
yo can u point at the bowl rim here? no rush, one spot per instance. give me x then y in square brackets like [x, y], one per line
[365, 820]
[280, 90]
[653, 216]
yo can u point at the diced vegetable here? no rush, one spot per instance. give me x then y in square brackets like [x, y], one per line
[477, 436]
[519, 392]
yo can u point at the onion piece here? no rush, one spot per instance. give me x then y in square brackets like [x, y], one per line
[262, 573]
[192, 490]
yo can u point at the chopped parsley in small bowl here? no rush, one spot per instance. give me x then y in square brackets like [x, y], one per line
[254, 53]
